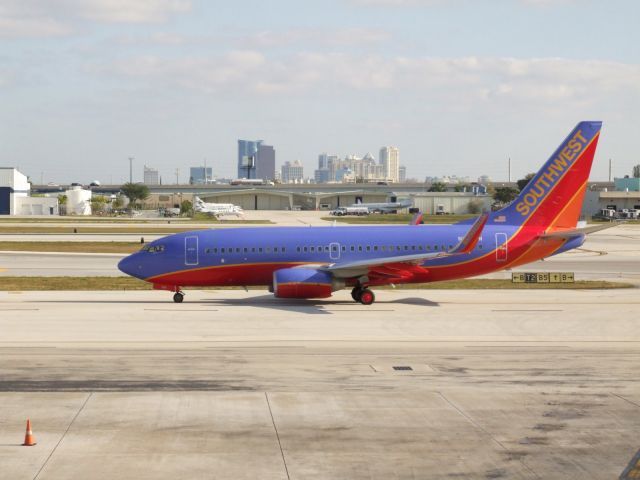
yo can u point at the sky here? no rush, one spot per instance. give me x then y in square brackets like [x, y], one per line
[459, 86]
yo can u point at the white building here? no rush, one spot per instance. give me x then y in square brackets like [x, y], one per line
[15, 199]
[78, 201]
[390, 159]
[151, 176]
[292, 172]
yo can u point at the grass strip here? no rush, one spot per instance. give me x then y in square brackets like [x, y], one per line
[71, 247]
[129, 283]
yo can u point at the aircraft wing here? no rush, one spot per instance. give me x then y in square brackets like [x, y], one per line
[398, 262]
[576, 232]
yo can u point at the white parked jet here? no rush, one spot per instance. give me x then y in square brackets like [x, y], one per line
[216, 209]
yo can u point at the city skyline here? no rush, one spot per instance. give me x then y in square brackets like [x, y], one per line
[459, 87]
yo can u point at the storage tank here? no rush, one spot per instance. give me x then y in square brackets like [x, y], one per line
[78, 201]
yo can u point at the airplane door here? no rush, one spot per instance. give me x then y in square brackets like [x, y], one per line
[334, 251]
[501, 247]
[191, 250]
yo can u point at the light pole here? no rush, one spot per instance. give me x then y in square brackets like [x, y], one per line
[131, 169]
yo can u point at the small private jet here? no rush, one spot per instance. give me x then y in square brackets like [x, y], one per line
[314, 262]
[216, 209]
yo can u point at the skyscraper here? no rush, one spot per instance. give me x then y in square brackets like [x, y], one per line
[151, 176]
[266, 162]
[256, 160]
[200, 175]
[292, 172]
[248, 157]
[390, 158]
[402, 174]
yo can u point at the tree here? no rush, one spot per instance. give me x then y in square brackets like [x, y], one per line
[62, 199]
[97, 204]
[118, 202]
[135, 192]
[438, 187]
[475, 206]
[186, 208]
[462, 187]
[505, 195]
[636, 171]
[523, 182]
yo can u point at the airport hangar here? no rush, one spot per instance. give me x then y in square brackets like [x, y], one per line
[330, 196]
[313, 196]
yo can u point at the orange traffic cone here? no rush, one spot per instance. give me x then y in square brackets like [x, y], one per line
[29, 439]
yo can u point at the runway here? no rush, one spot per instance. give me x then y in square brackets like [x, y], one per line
[508, 384]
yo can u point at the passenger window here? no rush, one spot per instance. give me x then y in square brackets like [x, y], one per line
[406, 247]
[275, 249]
[420, 247]
[259, 249]
[344, 249]
[353, 248]
[428, 247]
[253, 249]
[215, 250]
[222, 250]
[435, 247]
[375, 248]
[282, 249]
[237, 249]
[305, 249]
[268, 249]
[391, 248]
[368, 248]
[246, 250]
[413, 247]
[480, 246]
[312, 249]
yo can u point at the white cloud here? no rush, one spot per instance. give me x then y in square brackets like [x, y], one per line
[315, 36]
[461, 80]
[48, 18]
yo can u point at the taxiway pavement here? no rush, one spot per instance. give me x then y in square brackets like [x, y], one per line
[423, 384]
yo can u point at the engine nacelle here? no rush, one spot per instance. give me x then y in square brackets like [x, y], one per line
[304, 283]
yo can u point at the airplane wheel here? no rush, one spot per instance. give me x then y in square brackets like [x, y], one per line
[367, 297]
[178, 297]
[355, 294]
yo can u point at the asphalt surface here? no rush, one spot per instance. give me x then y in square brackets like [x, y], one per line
[229, 384]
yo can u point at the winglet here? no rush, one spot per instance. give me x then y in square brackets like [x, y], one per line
[417, 219]
[468, 243]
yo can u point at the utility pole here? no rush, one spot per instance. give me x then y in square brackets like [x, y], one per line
[509, 170]
[610, 164]
[205, 171]
[177, 176]
[130, 169]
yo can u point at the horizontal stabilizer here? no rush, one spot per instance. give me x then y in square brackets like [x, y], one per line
[576, 232]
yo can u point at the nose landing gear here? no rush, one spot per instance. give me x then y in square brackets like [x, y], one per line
[363, 295]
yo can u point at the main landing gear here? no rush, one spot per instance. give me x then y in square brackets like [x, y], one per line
[178, 297]
[363, 295]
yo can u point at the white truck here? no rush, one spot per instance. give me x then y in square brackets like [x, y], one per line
[341, 211]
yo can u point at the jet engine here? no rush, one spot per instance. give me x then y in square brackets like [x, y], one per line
[298, 282]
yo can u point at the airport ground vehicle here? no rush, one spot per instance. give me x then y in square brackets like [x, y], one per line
[313, 262]
[341, 211]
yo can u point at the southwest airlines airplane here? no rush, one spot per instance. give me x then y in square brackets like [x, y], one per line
[314, 262]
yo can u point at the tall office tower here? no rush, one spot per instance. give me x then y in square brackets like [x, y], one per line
[402, 174]
[198, 175]
[323, 161]
[390, 158]
[266, 163]
[292, 172]
[151, 176]
[248, 158]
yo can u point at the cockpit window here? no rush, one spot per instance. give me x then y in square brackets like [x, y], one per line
[153, 248]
